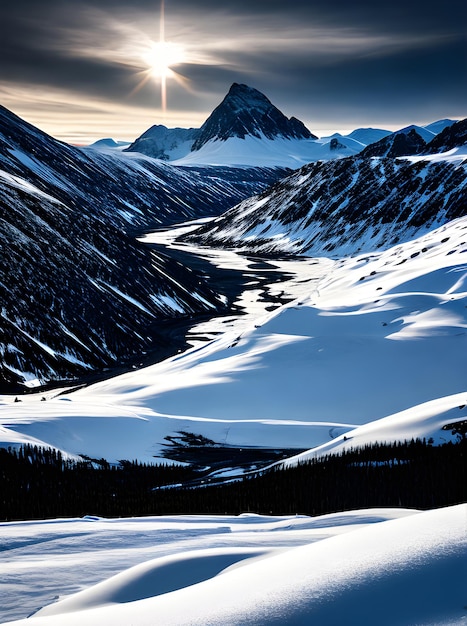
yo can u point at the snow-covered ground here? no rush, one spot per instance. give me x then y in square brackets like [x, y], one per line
[365, 338]
[260, 151]
[377, 566]
[371, 348]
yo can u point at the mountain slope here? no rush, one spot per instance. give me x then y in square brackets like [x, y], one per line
[165, 143]
[366, 136]
[451, 137]
[78, 292]
[247, 130]
[352, 204]
[381, 335]
[128, 190]
[244, 112]
[395, 145]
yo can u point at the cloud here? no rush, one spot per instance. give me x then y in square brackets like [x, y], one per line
[310, 57]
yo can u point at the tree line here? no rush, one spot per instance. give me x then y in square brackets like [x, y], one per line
[38, 483]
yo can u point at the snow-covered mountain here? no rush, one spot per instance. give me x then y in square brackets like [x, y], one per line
[414, 140]
[450, 138]
[165, 143]
[78, 291]
[247, 112]
[245, 129]
[440, 125]
[360, 203]
[108, 142]
[364, 136]
[244, 113]
[401, 143]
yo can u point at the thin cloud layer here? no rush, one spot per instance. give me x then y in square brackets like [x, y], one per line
[332, 65]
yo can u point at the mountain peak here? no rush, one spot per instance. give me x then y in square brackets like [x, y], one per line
[242, 91]
[453, 136]
[246, 111]
[402, 143]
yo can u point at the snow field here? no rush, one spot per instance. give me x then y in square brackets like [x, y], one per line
[371, 566]
[358, 344]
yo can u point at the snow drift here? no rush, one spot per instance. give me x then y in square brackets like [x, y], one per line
[409, 570]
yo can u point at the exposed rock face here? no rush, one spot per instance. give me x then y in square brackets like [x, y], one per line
[453, 136]
[396, 145]
[246, 111]
[335, 144]
[346, 206]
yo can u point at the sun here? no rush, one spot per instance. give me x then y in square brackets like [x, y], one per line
[159, 58]
[162, 56]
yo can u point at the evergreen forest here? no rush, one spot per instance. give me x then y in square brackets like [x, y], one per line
[39, 483]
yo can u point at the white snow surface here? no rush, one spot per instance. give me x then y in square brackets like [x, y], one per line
[278, 152]
[372, 347]
[377, 566]
[260, 151]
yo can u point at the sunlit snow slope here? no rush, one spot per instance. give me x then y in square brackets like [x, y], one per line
[382, 567]
[375, 335]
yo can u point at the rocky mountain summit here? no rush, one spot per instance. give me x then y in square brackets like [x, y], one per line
[246, 111]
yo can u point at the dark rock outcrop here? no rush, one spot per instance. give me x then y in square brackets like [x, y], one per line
[246, 111]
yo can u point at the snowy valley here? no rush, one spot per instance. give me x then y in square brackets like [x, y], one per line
[249, 293]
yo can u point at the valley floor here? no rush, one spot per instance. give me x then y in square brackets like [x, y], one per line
[364, 349]
[325, 355]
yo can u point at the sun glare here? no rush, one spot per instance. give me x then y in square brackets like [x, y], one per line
[162, 57]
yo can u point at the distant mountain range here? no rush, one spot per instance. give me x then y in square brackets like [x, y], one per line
[247, 129]
[366, 202]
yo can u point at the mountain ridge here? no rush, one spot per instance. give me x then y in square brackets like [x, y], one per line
[246, 111]
[357, 203]
[79, 292]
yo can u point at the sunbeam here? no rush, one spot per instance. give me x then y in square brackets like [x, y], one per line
[160, 58]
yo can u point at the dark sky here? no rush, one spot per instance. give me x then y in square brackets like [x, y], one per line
[76, 68]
